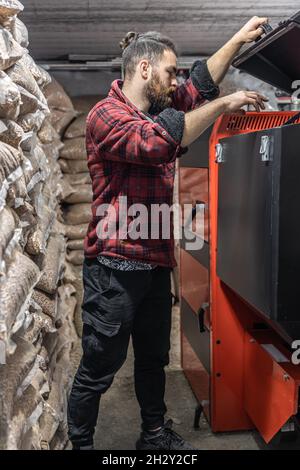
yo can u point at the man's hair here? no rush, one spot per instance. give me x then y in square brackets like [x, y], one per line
[150, 45]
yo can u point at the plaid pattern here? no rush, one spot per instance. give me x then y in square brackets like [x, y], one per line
[130, 154]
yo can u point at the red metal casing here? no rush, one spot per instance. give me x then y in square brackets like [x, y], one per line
[247, 387]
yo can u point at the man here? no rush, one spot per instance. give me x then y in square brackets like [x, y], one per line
[133, 138]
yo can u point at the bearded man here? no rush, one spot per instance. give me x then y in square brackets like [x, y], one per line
[133, 139]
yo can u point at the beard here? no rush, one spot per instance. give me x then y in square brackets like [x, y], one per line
[158, 95]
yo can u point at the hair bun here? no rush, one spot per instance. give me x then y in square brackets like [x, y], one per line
[128, 39]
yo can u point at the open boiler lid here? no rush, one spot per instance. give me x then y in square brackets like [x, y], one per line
[275, 57]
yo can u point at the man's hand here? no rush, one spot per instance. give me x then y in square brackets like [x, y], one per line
[196, 121]
[234, 102]
[250, 31]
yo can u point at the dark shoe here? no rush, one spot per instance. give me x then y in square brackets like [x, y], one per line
[86, 447]
[164, 439]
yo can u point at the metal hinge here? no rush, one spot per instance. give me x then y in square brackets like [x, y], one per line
[266, 148]
[220, 157]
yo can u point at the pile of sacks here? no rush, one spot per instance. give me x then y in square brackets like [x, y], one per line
[37, 334]
[77, 187]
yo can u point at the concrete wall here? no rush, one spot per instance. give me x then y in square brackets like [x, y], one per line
[59, 27]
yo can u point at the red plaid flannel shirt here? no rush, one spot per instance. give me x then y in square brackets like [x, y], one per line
[128, 155]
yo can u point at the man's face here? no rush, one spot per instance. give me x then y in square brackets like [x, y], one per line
[162, 82]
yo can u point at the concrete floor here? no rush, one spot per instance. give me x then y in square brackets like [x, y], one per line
[119, 419]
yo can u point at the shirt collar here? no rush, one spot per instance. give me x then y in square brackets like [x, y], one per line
[116, 92]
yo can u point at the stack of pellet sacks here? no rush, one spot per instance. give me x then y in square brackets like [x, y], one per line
[38, 341]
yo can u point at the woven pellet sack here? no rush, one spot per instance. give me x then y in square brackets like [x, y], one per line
[75, 257]
[74, 149]
[56, 96]
[67, 189]
[78, 284]
[81, 193]
[60, 120]
[77, 128]
[75, 244]
[66, 304]
[77, 213]
[28, 402]
[75, 232]
[73, 166]
[86, 103]
[60, 438]
[79, 178]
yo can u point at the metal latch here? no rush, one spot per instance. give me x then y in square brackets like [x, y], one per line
[220, 157]
[265, 149]
[201, 313]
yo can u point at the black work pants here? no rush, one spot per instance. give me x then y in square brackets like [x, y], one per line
[118, 304]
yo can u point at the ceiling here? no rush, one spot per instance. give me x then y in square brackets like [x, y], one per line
[61, 27]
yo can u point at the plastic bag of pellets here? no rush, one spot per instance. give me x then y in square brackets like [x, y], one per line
[21, 75]
[8, 222]
[20, 32]
[10, 8]
[32, 121]
[10, 50]
[15, 293]
[52, 264]
[11, 133]
[29, 102]
[47, 134]
[10, 160]
[10, 98]
[41, 76]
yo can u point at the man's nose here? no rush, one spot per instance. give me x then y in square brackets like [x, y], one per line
[174, 82]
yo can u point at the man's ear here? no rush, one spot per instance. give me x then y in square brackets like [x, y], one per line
[145, 69]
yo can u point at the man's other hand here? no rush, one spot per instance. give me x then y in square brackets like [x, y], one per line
[251, 30]
[233, 103]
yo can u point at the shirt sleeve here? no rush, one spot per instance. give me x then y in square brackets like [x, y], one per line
[198, 88]
[120, 136]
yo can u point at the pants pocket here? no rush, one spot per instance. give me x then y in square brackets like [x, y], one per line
[101, 303]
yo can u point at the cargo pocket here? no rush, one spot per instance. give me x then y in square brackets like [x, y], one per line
[101, 306]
